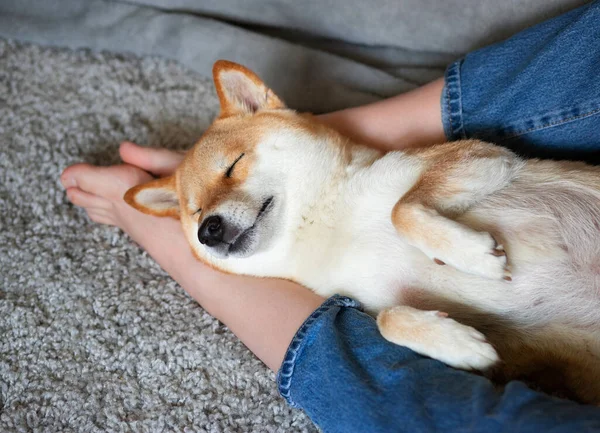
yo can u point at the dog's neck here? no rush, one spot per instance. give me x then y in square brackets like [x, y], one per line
[321, 177]
[329, 162]
[347, 196]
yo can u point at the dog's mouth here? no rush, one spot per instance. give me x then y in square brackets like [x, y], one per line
[242, 241]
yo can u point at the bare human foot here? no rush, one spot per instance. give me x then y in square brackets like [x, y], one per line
[100, 190]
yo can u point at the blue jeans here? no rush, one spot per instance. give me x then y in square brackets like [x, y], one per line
[348, 378]
[539, 94]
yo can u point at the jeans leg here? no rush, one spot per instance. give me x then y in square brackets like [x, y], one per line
[537, 93]
[348, 378]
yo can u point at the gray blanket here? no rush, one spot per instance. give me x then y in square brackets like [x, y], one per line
[318, 55]
[93, 335]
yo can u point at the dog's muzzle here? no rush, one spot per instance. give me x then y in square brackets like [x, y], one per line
[225, 236]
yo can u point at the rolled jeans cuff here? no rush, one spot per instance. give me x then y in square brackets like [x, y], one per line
[285, 376]
[451, 103]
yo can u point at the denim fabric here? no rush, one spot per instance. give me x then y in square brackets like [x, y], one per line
[348, 378]
[537, 93]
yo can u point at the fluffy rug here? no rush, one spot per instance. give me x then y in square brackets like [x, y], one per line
[94, 336]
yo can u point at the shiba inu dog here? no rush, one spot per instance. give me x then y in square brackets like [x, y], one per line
[465, 252]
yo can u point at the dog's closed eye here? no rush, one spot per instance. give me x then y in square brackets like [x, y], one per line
[230, 169]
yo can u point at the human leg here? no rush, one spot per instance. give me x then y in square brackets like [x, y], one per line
[537, 93]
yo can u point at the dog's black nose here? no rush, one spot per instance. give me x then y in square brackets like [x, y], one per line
[210, 232]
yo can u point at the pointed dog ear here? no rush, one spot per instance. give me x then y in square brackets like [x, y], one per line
[157, 197]
[241, 91]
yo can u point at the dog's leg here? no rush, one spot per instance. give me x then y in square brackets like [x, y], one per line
[448, 242]
[458, 175]
[433, 334]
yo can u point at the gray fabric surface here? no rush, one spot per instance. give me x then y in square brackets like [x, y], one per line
[93, 335]
[307, 79]
[449, 26]
[318, 54]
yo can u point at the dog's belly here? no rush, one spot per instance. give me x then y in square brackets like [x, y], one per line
[375, 275]
[544, 335]
[548, 285]
[545, 324]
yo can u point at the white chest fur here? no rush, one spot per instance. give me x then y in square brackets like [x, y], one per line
[361, 254]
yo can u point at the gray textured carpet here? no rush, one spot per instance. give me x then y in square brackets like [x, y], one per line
[94, 336]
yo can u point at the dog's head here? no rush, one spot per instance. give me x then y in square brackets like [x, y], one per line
[233, 192]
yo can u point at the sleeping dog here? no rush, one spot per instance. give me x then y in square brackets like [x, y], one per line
[465, 252]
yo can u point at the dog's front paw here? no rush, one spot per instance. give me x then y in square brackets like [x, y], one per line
[433, 334]
[461, 346]
[478, 253]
